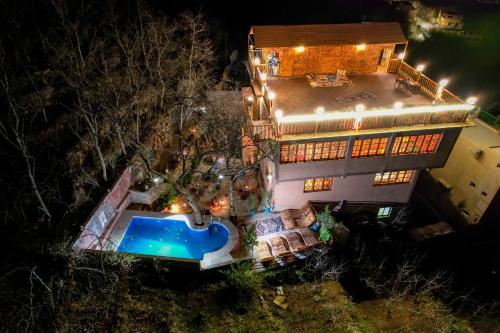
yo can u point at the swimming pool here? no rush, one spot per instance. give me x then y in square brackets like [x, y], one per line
[171, 238]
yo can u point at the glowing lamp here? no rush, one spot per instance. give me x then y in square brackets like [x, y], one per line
[320, 110]
[300, 49]
[256, 61]
[250, 99]
[271, 95]
[420, 68]
[278, 114]
[156, 180]
[398, 105]
[263, 76]
[401, 56]
[443, 82]
[471, 100]
[360, 108]
[360, 47]
[221, 176]
[269, 177]
[174, 208]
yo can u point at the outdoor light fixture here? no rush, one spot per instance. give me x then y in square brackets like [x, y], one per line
[443, 82]
[156, 180]
[256, 61]
[271, 95]
[300, 49]
[278, 114]
[420, 68]
[263, 76]
[221, 176]
[360, 108]
[401, 56]
[471, 100]
[320, 110]
[250, 99]
[398, 105]
[269, 177]
[360, 47]
[174, 208]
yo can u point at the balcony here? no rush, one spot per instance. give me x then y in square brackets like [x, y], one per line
[289, 108]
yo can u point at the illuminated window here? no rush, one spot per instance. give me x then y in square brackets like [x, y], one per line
[416, 144]
[384, 212]
[318, 184]
[313, 151]
[369, 147]
[395, 177]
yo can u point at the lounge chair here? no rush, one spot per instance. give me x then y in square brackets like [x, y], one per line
[278, 247]
[263, 251]
[298, 218]
[309, 237]
[295, 241]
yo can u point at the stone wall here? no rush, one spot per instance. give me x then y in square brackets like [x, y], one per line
[327, 59]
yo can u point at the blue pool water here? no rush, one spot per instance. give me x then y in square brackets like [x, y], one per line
[171, 238]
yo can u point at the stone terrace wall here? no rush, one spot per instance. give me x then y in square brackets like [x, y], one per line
[105, 214]
[327, 59]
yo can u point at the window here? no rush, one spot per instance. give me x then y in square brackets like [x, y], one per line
[384, 212]
[369, 147]
[416, 144]
[395, 177]
[312, 151]
[318, 184]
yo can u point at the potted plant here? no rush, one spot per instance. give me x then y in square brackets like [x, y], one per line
[326, 222]
[267, 201]
[252, 202]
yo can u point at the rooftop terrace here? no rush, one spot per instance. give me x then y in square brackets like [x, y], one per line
[295, 95]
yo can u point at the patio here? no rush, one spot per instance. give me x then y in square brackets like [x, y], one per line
[296, 96]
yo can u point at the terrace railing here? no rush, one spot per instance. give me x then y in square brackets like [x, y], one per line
[266, 127]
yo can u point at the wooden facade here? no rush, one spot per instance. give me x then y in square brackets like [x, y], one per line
[326, 59]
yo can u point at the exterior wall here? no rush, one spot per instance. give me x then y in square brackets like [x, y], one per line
[372, 165]
[327, 59]
[464, 169]
[105, 214]
[290, 194]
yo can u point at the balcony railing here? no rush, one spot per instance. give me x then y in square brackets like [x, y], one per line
[447, 108]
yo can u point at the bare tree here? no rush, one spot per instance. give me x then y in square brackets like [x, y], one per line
[13, 128]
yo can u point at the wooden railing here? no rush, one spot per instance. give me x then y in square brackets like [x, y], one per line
[266, 128]
[427, 85]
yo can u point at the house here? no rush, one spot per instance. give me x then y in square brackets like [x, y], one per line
[351, 119]
[472, 173]
[450, 19]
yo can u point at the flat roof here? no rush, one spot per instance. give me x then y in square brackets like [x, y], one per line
[327, 34]
[295, 95]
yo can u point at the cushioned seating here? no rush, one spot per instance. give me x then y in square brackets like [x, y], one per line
[298, 218]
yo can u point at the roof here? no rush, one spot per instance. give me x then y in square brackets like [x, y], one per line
[327, 34]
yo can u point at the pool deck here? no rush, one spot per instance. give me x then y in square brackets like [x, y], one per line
[210, 260]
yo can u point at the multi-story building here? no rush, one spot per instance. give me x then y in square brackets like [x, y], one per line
[472, 173]
[351, 119]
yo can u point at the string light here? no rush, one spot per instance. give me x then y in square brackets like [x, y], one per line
[271, 95]
[376, 113]
[420, 68]
[471, 100]
[443, 82]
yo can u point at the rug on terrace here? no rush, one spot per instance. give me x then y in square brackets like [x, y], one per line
[268, 226]
[356, 98]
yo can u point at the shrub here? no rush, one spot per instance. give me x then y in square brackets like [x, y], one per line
[250, 238]
[326, 222]
[242, 277]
